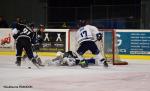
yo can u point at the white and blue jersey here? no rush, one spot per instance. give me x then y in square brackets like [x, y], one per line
[86, 37]
[86, 33]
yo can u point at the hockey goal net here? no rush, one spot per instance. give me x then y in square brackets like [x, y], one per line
[108, 46]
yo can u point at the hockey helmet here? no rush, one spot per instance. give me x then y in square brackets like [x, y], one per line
[82, 23]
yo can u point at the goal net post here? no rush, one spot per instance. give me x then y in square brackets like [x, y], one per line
[108, 46]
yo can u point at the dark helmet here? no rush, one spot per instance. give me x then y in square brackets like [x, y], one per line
[21, 20]
[82, 23]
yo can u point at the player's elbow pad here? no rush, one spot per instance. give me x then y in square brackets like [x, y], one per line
[99, 36]
[15, 36]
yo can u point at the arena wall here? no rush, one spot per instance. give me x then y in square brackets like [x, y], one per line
[135, 44]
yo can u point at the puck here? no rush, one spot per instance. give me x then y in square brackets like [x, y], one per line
[29, 67]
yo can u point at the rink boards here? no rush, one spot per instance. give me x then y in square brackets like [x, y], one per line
[53, 54]
[135, 43]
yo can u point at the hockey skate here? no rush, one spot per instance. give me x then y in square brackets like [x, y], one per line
[83, 63]
[18, 62]
[105, 64]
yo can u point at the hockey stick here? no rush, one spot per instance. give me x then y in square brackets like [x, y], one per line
[38, 59]
[101, 45]
[33, 62]
[36, 65]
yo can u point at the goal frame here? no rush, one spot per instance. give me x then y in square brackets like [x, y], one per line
[114, 47]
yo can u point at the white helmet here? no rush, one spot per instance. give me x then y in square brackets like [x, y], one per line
[59, 53]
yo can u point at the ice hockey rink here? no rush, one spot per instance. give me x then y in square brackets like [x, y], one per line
[132, 77]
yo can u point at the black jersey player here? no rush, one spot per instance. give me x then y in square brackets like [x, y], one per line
[23, 36]
[36, 42]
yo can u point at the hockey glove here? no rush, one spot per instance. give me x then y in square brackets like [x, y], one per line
[99, 36]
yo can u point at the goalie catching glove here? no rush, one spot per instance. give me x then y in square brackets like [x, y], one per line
[99, 36]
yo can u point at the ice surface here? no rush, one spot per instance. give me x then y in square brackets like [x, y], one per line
[132, 77]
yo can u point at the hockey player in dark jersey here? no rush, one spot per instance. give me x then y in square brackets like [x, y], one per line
[23, 36]
[36, 42]
[40, 31]
[38, 38]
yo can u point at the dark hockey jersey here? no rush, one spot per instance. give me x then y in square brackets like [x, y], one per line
[23, 31]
